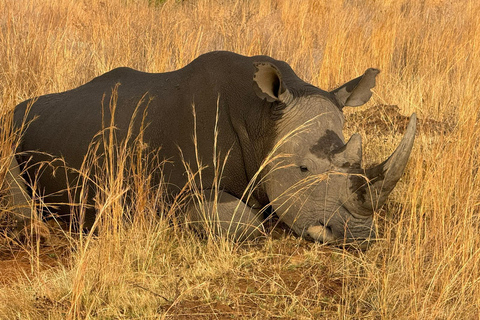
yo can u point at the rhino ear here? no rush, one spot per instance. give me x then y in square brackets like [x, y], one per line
[357, 91]
[267, 82]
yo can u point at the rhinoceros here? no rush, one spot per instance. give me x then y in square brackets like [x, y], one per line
[277, 139]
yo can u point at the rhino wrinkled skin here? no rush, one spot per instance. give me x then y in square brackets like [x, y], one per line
[278, 139]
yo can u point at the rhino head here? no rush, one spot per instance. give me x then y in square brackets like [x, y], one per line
[315, 180]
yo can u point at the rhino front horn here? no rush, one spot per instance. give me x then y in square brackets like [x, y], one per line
[369, 191]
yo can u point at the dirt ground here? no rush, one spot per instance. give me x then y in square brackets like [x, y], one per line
[387, 118]
[17, 263]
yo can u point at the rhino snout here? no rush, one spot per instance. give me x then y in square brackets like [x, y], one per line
[321, 233]
[360, 235]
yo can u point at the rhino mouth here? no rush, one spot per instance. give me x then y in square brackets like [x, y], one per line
[321, 233]
[324, 234]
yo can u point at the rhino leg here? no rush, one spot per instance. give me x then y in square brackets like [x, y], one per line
[227, 216]
[18, 194]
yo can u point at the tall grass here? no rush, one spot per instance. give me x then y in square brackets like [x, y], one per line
[425, 266]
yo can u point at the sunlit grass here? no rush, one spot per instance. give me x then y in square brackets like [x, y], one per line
[424, 266]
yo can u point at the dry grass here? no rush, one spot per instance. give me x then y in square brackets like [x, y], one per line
[424, 267]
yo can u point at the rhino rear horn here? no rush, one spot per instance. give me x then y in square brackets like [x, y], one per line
[349, 155]
[357, 91]
[367, 195]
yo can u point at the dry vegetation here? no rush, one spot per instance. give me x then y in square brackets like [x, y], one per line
[425, 266]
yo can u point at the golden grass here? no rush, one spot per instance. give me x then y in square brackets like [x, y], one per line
[426, 266]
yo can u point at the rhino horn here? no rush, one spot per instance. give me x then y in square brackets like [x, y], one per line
[369, 191]
[350, 155]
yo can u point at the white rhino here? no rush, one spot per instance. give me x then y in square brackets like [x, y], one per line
[278, 139]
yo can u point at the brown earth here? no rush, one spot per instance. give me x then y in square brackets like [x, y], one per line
[286, 269]
[387, 118]
[17, 264]
[21, 258]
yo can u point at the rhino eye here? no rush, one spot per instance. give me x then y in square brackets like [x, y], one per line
[303, 168]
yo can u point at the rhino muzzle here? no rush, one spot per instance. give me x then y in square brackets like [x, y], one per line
[345, 237]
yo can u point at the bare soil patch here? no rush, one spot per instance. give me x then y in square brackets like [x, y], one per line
[285, 276]
[381, 119]
[22, 258]
[21, 263]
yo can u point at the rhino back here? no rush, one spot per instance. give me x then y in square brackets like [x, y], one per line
[65, 123]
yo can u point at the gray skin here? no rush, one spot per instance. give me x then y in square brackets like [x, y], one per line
[279, 143]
